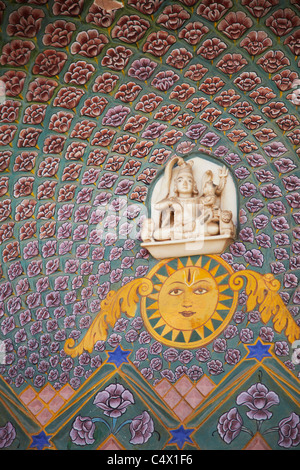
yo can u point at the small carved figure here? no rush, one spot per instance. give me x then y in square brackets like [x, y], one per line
[188, 215]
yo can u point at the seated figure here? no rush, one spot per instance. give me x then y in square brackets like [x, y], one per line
[187, 215]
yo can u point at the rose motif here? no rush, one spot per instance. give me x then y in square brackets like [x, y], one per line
[211, 48]
[141, 428]
[83, 129]
[235, 24]
[211, 85]
[41, 89]
[99, 17]
[231, 63]
[158, 43]
[82, 431]
[256, 42]
[258, 399]
[282, 21]
[293, 42]
[103, 138]
[195, 72]
[89, 43]
[142, 68]
[79, 72]
[173, 17]
[94, 106]
[128, 92]
[213, 11]
[130, 29]
[117, 58]
[14, 82]
[273, 61]
[16, 53]
[9, 111]
[193, 32]
[289, 431]
[114, 400]
[105, 83]
[68, 97]
[230, 425]
[148, 7]
[60, 122]
[67, 7]
[7, 435]
[164, 80]
[59, 33]
[116, 116]
[25, 22]
[259, 8]
[179, 58]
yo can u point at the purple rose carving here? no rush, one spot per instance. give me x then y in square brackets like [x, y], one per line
[254, 257]
[230, 425]
[275, 149]
[82, 431]
[116, 116]
[141, 428]
[258, 399]
[195, 130]
[114, 400]
[289, 431]
[7, 435]
[142, 68]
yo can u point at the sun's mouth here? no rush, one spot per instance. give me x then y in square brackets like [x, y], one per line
[187, 313]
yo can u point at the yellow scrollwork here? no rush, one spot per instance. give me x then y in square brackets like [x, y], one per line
[262, 290]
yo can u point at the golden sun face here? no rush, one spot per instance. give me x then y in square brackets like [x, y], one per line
[193, 302]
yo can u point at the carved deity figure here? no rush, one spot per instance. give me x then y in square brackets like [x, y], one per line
[187, 214]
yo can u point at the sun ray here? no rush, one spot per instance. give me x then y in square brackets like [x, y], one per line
[214, 270]
[222, 307]
[157, 287]
[161, 277]
[223, 288]
[187, 335]
[198, 264]
[170, 270]
[210, 326]
[155, 315]
[160, 322]
[221, 277]
[200, 331]
[224, 297]
[154, 305]
[179, 264]
[153, 296]
[175, 333]
[206, 267]
[189, 262]
[216, 316]
[166, 330]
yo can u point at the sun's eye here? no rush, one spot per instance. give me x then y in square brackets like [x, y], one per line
[200, 291]
[175, 292]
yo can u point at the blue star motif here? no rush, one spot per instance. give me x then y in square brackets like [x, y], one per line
[118, 356]
[40, 441]
[258, 351]
[181, 436]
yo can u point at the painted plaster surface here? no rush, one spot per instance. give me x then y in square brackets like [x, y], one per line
[93, 105]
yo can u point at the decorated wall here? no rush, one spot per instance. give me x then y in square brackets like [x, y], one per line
[93, 104]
